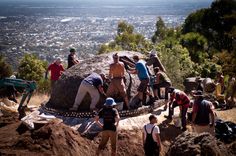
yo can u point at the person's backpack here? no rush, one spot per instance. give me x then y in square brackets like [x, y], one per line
[149, 142]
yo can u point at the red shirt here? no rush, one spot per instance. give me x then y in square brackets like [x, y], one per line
[181, 98]
[56, 71]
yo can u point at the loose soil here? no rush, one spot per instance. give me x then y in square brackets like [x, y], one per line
[58, 139]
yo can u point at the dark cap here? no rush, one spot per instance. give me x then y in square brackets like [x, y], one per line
[198, 94]
[171, 90]
[72, 50]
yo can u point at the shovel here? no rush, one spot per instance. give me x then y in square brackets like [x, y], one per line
[87, 128]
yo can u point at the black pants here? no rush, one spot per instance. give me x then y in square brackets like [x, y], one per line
[183, 113]
[165, 85]
[152, 151]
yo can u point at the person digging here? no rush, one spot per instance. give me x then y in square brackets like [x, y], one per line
[178, 98]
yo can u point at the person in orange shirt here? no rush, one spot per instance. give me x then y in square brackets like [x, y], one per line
[117, 85]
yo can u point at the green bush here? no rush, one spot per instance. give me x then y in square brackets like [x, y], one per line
[31, 68]
[177, 62]
[5, 68]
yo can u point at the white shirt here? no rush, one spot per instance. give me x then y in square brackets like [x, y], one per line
[149, 127]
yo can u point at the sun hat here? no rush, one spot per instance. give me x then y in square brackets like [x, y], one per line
[110, 102]
[58, 59]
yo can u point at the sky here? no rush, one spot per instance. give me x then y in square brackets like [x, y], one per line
[107, 1]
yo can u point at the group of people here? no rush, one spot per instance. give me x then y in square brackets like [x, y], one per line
[203, 119]
[93, 84]
[202, 114]
[56, 68]
[150, 134]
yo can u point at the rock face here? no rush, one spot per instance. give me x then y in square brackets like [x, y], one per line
[65, 90]
[192, 144]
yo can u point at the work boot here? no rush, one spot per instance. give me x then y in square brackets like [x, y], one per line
[183, 129]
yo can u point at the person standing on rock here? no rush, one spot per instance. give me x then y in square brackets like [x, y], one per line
[72, 58]
[110, 124]
[178, 98]
[117, 75]
[142, 72]
[151, 137]
[162, 80]
[93, 84]
[155, 61]
[56, 69]
[203, 117]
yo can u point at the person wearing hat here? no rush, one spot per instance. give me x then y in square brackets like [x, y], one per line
[93, 85]
[72, 58]
[56, 69]
[203, 117]
[110, 124]
[155, 61]
[117, 85]
[178, 98]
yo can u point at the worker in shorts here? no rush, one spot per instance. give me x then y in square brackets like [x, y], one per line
[117, 85]
[142, 72]
[110, 124]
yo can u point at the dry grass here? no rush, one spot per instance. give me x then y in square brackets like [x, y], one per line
[227, 115]
[36, 99]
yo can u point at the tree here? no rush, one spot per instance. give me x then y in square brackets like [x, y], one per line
[5, 68]
[160, 32]
[124, 27]
[176, 61]
[214, 23]
[126, 39]
[31, 68]
[196, 45]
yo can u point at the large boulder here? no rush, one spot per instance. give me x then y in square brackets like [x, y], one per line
[65, 89]
[192, 144]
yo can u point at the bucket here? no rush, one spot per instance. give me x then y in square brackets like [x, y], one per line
[119, 106]
[176, 120]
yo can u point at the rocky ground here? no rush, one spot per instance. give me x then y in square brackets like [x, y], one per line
[59, 139]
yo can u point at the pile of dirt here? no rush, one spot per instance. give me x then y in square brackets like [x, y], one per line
[51, 139]
[191, 144]
[59, 139]
[65, 89]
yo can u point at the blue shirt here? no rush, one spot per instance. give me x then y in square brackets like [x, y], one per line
[142, 70]
[94, 79]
